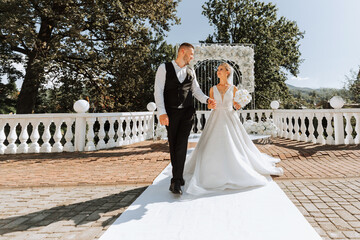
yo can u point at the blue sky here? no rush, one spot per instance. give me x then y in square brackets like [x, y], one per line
[330, 48]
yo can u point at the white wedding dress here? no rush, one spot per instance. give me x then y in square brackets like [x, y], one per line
[225, 157]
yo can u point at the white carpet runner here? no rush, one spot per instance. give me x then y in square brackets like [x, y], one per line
[264, 213]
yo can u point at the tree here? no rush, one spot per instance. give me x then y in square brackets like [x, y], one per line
[79, 42]
[353, 85]
[276, 42]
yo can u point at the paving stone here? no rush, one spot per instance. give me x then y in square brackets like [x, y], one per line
[352, 234]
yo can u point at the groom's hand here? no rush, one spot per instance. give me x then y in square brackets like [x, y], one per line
[211, 103]
[164, 119]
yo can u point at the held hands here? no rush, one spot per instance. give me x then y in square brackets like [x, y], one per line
[164, 119]
[211, 103]
[237, 106]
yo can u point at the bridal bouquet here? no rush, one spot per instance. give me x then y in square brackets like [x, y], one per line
[160, 132]
[262, 128]
[242, 97]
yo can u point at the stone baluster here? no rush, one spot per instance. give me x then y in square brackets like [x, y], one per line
[101, 144]
[147, 127]
[339, 128]
[267, 116]
[69, 147]
[57, 147]
[311, 137]
[282, 125]
[2, 136]
[207, 115]
[46, 146]
[120, 132]
[357, 128]
[285, 126]
[329, 129]
[279, 124]
[90, 145]
[297, 127]
[24, 136]
[252, 116]
[35, 136]
[127, 131]
[348, 129]
[134, 130]
[291, 127]
[141, 128]
[303, 136]
[198, 125]
[111, 133]
[320, 129]
[12, 137]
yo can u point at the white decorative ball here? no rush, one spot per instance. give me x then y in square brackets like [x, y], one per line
[337, 102]
[151, 106]
[275, 104]
[81, 106]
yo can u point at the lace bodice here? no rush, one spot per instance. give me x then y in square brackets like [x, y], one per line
[226, 101]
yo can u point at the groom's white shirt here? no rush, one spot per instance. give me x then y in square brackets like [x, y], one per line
[160, 85]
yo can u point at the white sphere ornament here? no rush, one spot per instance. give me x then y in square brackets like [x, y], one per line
[275, 104]
[151, 106]
[81, 106]
[337, 102]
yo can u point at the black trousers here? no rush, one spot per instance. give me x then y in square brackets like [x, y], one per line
[180, 124]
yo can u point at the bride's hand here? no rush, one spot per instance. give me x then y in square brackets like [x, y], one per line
[211, 103]
[237, 106]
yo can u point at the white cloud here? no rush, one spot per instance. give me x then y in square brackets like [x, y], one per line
[300, 78]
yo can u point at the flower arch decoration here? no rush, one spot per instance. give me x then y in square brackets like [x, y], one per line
[240, 54]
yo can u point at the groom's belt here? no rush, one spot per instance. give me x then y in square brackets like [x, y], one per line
[175, 107]
[178, 107]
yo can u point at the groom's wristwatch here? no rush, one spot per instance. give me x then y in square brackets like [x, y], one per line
[207, 101]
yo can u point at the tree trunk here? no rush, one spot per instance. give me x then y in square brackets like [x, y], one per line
[35, 70]
[30, 88]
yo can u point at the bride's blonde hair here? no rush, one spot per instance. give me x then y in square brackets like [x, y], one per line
[227, 67]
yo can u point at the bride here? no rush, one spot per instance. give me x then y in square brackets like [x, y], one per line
[225, 157]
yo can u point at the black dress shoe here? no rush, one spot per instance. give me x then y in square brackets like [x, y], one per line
[175, 188]
[182, 182]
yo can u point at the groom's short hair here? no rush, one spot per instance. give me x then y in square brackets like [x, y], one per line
[186, 45]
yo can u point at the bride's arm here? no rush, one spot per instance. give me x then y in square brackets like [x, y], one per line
[236, 105]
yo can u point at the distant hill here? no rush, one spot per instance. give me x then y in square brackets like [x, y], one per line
[306, 89]
[319, 97]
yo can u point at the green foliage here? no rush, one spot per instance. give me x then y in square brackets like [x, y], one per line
[8, 95]
[96, 49]
[276, 42]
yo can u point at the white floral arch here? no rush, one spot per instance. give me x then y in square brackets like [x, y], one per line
[240, 54]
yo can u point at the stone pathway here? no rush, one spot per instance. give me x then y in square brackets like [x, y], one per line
[78, 195]
[79, 213]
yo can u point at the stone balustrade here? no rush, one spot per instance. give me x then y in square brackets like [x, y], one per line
[45, 133]
[323, 126]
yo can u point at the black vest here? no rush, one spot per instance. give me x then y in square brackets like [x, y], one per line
[176, 94]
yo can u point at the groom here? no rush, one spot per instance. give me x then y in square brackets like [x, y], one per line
[175, 86]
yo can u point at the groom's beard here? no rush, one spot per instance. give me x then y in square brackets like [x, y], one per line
[186, 60]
